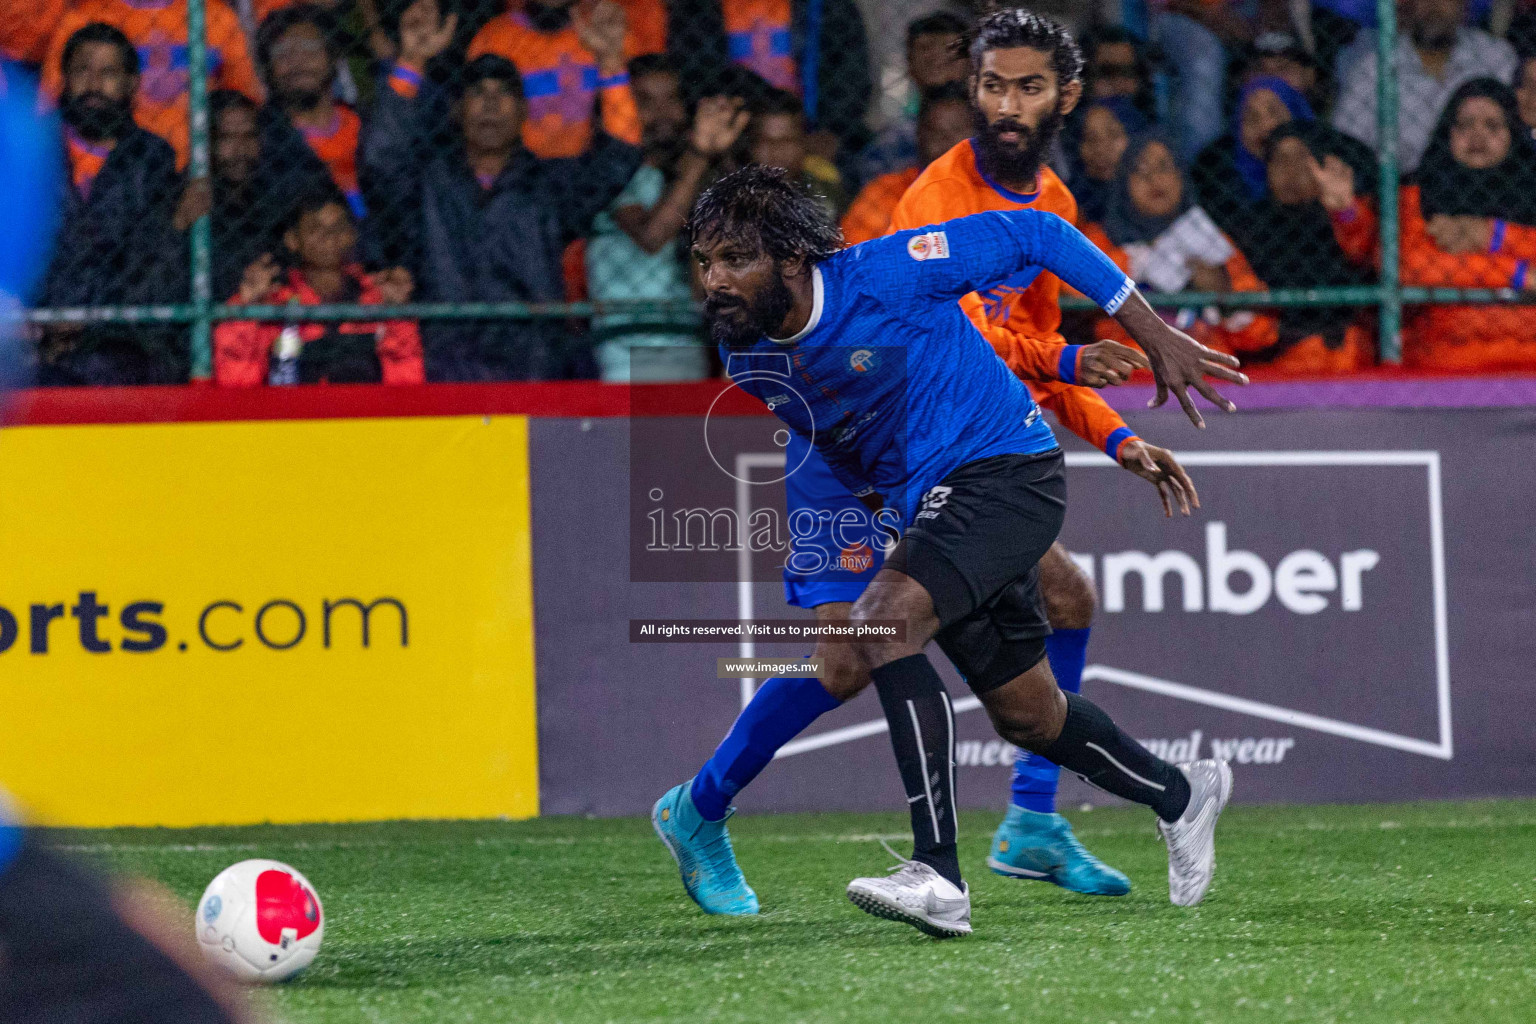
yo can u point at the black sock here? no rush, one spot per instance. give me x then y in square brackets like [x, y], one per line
[1097, 749]
[923, 736]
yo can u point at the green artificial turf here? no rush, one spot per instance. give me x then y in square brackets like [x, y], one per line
[1417, 912]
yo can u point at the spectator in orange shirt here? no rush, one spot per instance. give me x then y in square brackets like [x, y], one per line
[297, 50]
[321, 242]
[1154, 230]
[116, 236]
[158, 31]
[1468, 221]
[943, 123]
[571, 55]
[1291, 242]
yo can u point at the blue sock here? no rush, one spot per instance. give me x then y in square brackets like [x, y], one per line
[1035, 778]
[780, 710]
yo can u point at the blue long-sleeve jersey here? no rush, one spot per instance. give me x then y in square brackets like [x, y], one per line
[889, 380]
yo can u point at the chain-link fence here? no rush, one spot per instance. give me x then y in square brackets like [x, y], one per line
[279, 192]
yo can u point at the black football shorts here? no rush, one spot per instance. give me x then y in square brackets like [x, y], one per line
[975, 545]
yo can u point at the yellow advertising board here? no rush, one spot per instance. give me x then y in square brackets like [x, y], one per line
[224, 623]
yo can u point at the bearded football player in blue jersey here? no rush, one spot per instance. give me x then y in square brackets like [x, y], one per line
[899, 394]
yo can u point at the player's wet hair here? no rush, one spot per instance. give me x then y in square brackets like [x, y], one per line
[1014, 27]
[766, 209]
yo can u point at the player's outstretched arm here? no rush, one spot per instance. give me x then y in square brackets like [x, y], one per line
[1158, 467]
[948, 260]
[1179, 362]
[1050, 359]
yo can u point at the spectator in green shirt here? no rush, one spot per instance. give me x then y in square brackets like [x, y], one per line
[634, 252]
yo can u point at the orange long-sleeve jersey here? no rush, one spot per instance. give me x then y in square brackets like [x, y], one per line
[158, 30]
[1020, 318]
[561, 81]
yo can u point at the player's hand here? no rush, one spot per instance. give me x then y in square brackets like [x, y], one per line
[259, 280]
[1179, 362]
[425, 33]
[602, 32]
[1158, 466]
[1107, 363]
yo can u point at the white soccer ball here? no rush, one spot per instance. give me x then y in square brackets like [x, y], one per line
[261, 921]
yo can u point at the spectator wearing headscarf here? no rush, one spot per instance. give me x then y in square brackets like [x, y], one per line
[1156, 232]
[1229, 175]
[1291, 242]
[1095, 143]
[1468, 220]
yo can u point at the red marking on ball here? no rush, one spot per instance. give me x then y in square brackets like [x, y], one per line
[282, 901]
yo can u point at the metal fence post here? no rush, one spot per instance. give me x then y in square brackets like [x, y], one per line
[1391, 319]
[202, 282]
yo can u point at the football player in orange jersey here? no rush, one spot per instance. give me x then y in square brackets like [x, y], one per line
[1025, 80]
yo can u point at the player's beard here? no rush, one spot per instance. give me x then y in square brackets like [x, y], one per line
[98, 120]
[736, 324]
[1015, 162]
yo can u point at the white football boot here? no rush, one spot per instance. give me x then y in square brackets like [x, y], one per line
[917, 894]
[1192, 839]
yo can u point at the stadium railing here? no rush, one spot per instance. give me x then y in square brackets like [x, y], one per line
[203, 309]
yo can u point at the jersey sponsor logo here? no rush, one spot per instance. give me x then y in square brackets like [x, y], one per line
[856, 558]
[862, 361]
[774, 401]
[932, 245]
[934, 502]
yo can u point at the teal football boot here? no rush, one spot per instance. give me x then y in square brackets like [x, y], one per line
[703, 853]
[1029, 844]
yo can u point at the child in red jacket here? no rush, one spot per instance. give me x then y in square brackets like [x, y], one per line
[248, 353]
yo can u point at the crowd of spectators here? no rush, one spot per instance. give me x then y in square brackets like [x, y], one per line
[546, 151]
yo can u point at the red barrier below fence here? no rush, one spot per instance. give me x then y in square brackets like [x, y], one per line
[201, 403]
